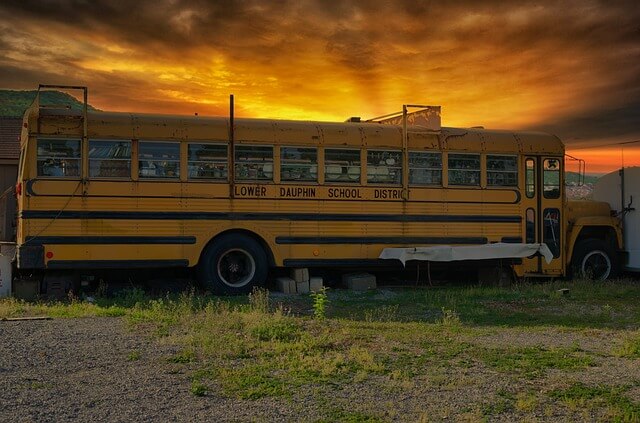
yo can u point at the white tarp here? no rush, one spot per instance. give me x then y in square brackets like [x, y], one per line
[471, 252]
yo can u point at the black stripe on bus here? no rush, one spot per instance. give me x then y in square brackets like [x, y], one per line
[512, 239]
[144, 215]
[114, 264]
[338, 262]
[378, 240]
[40, 240]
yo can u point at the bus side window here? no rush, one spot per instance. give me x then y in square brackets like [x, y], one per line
[341, 165]
[298, 164]
[425, 168]
[384, 167]
[502, 171]
[253, 163]
[207, 161]
[464, 169]
[110, 158]
[58, 157]
[530, 178]
[159, 159]
[551, 178]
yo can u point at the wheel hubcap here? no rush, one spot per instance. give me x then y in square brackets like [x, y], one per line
[236, 267]
[596, 265]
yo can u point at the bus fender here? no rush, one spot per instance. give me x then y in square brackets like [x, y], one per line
[592, 227]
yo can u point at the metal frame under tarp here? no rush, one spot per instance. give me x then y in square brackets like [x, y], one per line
[445, 253]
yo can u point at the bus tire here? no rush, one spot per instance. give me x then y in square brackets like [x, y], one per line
[233, 264]
[595, 259]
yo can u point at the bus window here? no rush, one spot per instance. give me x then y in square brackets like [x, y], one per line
[384, 167]
[551, 230]
[253, 163]
[298, 164]
[207, 161]
[531, 226]
[341, 165]
[110, 158]
[551, 178]
[159, 159]
[464, 169]
[58, 157]
[425, 168]
[530, 178]
[502, 171]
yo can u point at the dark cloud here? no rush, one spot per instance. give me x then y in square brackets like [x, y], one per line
[596, 126]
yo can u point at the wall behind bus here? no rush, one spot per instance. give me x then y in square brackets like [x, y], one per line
[10, 128]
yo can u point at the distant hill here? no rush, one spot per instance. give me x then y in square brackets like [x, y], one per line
[14, 103]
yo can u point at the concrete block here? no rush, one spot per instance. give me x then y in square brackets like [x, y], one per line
[359, 281]
[286, 285]
[300, 275]
[302, 287]
[315, 284]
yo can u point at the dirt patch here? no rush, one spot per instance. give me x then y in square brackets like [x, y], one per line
[96, 369]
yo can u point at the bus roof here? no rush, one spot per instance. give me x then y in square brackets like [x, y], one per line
[118, 125]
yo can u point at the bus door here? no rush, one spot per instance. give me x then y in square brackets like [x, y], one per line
[543, 212]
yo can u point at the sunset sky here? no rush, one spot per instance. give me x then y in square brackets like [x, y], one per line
[571, 68]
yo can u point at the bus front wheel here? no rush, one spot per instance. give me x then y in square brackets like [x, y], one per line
[595, 259]
[233, 264]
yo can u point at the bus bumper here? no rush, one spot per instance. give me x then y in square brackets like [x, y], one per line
[30, 257]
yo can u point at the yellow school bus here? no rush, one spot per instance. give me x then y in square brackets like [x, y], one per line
[101, 190]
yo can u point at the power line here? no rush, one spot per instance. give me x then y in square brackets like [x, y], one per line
[603, 145]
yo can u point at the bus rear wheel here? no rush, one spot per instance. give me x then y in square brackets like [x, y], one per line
[233, 264]
[595, 259]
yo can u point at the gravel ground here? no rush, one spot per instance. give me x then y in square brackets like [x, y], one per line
[97, 369]
[80, 370]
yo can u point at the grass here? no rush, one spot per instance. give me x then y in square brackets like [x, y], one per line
[374, 347]
[630, 347]
[134, 355]
[612, 402]
[532, 362]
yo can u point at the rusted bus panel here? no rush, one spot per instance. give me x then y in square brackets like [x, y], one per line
[340, 134]
[418, 141]
[51, 122]
[500, 141]
[254, 131]
[111, 126]
[381, 136]
[289, 132]
[541, 143]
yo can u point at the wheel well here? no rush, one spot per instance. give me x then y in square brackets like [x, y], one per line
[605, 233]
[253, 235]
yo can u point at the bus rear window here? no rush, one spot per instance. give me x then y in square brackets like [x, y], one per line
[58, 157]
